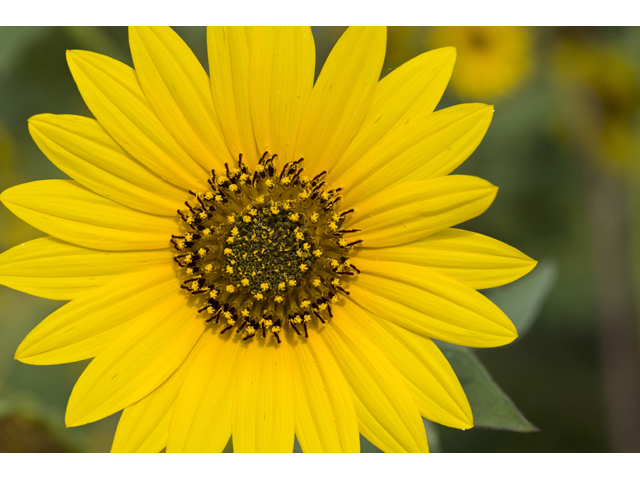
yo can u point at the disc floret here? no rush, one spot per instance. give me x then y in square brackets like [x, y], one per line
[265, 249]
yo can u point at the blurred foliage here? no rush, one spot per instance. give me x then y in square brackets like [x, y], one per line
[546, 123]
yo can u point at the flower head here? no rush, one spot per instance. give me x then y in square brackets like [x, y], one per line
[492, 60]
[250, 254]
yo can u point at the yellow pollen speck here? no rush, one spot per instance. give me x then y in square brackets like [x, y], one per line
[181, 244]
[275, 329]
[334, 299]
[336, 217]
[190, 219]
[300, 236]
[219, 198]
[279, 298]
[297, 319]
[246, 218]
[211, 310]
[285, 181]
[258, 296]
[303, 195]
[275, 210]
[188, 237]
[322, 306]
[342, 242]
[230, 239]
[316, 282]
[260, 199]
[268, 323]
[243, 178]
[282, 286]
[203, 215]
[253, 211]
[335, 282]
[206, 232]
[227, 315]
[230, 288]
[233, 188]
[292, 283]
[264, 286]
[333, 227]
[307, 318]
[228, 251]
[335, 263]
[306, 246]
[303, 267]
[229, 269]
[294, 217]
[250, 330]
[317, 252]
[208, 268]
[213, 293]
[188, 257]
[315, 217]
[231, 218]
[245, 313]
[194, 286]
[231, 321]
[325, 195]
[208, 196]
[245, 282]
[304, 179]
[202, 252]
[269, 183]
[259, 168]
[235, 231]
[305, 304]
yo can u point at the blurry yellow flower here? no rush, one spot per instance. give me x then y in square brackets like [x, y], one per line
[601, 92]
[491, 60]
[202, 328]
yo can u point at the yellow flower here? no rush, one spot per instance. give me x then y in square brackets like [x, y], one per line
[194, 359]
[492, 60]
[599, 89]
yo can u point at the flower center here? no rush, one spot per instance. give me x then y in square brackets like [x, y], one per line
[265, 249]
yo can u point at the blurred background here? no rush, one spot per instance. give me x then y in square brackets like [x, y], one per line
[564, 149]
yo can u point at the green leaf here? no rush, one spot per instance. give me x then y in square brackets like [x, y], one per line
[491, 407]
[521, 301]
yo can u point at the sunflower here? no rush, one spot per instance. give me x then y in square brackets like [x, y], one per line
[493, 60]
[248, 254]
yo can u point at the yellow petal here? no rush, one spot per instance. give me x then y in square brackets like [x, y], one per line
[83, 327]
[430, 304]
[431, 380]
[112, 92]
[412, 90]
[387, 414]
[144, 426]
[411, 211]
[82, 149]
[318, 428]
[70, 212]
[229, 52]
[473, 259]
[178, 89]
[202, 417]
[50, 268]
[137, 362]
[264, 403]
[340, 396]
[280, 81]
[341, 97]
[429, 146]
